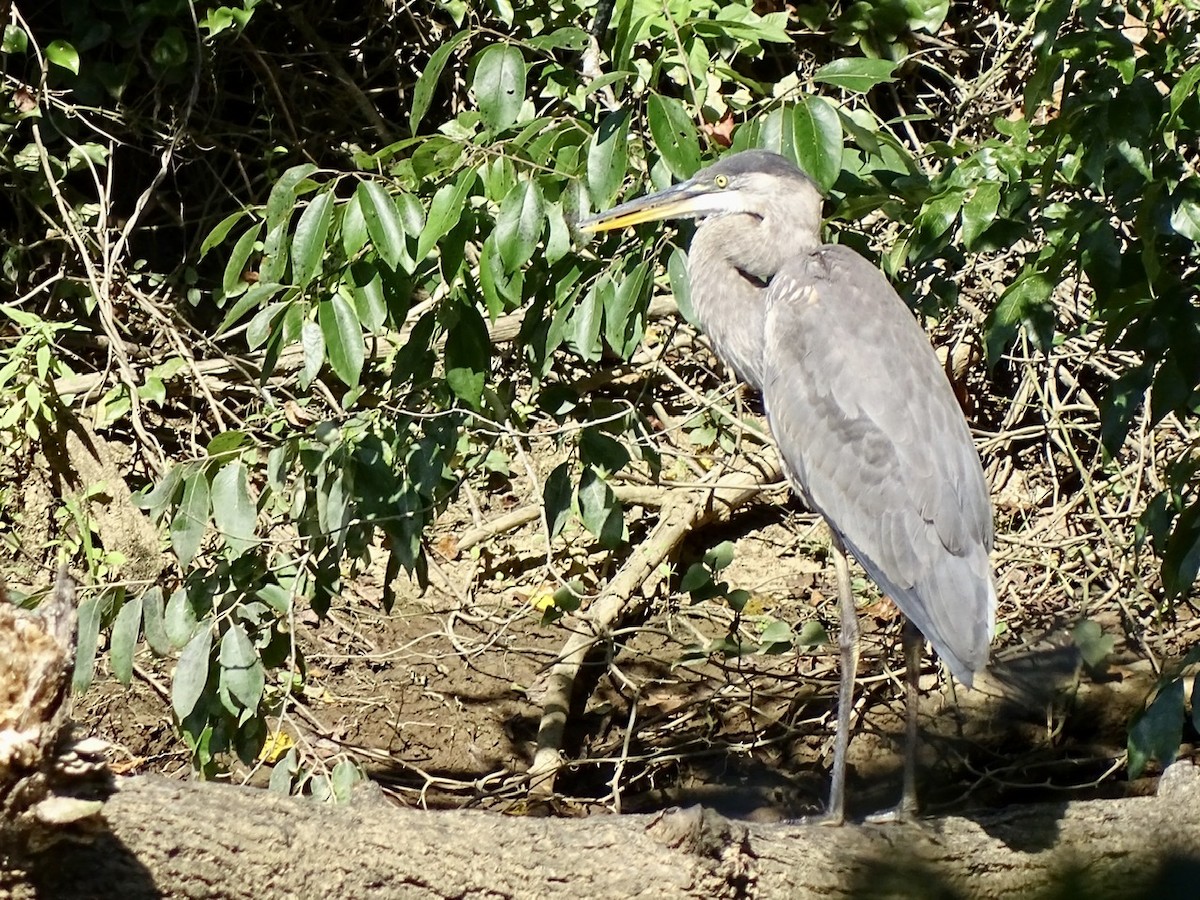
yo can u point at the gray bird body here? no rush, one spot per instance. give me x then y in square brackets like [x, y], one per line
[868, 427]
[881, 449]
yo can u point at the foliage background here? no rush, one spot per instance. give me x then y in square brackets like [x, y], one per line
[302, 276]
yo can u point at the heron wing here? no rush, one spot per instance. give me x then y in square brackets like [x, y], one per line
[873, 439]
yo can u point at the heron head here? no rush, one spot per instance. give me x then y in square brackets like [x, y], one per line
[752, 182]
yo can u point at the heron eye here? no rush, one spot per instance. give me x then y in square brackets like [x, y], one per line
[721, 181]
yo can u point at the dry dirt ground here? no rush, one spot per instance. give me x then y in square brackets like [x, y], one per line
[439, 698]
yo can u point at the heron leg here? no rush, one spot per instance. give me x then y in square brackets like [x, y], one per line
[914, 645]
[835, 813]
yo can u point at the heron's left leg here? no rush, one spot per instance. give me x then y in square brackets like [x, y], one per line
[914, 644]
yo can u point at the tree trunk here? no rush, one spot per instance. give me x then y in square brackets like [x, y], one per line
[69, 830]
[170, 839]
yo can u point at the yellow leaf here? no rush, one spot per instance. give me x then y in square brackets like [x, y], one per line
[276, 745]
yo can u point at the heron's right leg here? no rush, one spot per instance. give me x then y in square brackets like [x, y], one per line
[848, 644]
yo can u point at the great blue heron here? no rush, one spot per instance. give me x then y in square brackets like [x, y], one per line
[869, 430]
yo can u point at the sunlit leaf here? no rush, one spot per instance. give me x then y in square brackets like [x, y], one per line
[308, 243]
[816, 140]
[1185, 219]
[233, 281]
[123, 639]
[427, 82]
[608, 157]
[445, 210]
[343, 338]
[191, 674]
[675, 135]
[233, 508]
[499, 85]
[979, 212]
[519, 225]
[64, 55]
[857, 74]
[191, 518]
[383, 221]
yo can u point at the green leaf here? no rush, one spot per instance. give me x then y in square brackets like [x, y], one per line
[63, 55]
[262, 326]
[681, 285]
[926, 15]
[232, 283]
[162, 494]
[674, 134]
[153, 623]
[123, 640]
[696, 577]
[383, 222]
[233, 509]
[343, 338]
[191, 674]
[427, 82]
[720, 556]
[187, 527]
[856, 74]
[221, 231]
[15, 40]
[979, 212]
[601, 451]
[1095, 647]
[816, 140]
[308, 243]
[170, 50]
[519, 225]
[1181, 556]
[622, 314]
[777, 632]
[499, 85]
[608, 157]
[242, 673]
[258, 294]
[1024, 303]
[226, 443]
[935, 218]
[180, 618]
[1185, 219]
[812, 634]
[445, 210]
[586, 318]
[1157, 732]
[468, 356]
[312, 341]
[91, 609]
[600, 510]
[556, 496]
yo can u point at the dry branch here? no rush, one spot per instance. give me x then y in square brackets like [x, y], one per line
[249, 366]
[682, 512]
[172, 840]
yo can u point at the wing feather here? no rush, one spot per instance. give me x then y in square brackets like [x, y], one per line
[873, 438]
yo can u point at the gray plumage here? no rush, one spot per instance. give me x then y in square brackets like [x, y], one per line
[868, 428]
[874, 440]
